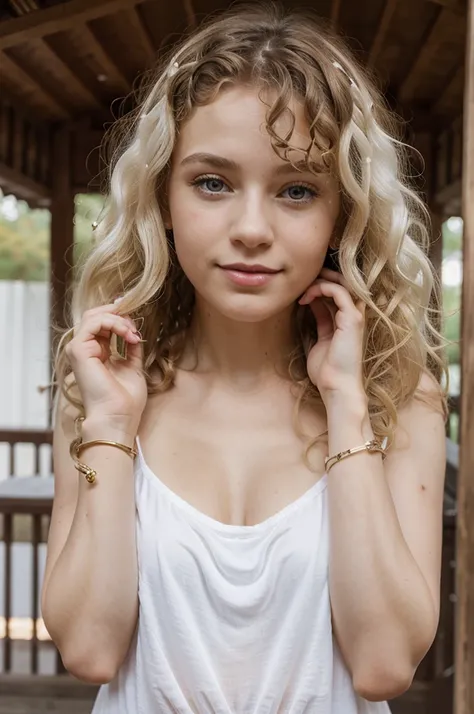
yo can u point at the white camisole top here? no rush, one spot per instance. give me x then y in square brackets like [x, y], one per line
[232, 619]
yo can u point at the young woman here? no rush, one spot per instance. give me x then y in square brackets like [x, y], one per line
[250, 519]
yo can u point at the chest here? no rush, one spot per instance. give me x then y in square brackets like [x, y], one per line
[238, 460]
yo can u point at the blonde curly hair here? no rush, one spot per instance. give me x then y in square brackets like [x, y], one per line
[383, 233]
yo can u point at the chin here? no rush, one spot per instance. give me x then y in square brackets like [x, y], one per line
[251, 310]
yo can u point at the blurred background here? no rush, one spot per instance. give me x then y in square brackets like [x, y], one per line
[66, 70]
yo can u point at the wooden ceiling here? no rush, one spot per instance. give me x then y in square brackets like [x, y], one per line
[74, 60]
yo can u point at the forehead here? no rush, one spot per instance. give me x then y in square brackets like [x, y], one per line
[234, 122]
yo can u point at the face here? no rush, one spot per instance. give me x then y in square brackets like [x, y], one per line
[235, 205]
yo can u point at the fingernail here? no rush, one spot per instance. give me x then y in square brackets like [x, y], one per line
[117, 300]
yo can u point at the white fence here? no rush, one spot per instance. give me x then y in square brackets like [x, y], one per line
[24, 364]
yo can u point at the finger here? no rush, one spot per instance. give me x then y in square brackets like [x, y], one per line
[90, 328]
[334, 276]
[361, 305]
[114, 311]
[99, 309]
[135, 352]
[113, 308]
[337, 292]
[324, 318]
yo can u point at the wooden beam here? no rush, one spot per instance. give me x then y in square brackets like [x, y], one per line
[454, 5]
[380, 34]
[5, 123]
[335, 12]
[449, 195]
[429, 51]
[43, 137]
[16, 103]
[62, 222]
[57, 19]
[22, 186]
[464, 661]
[87, 170]
[71, 79]
[111, 71]
[450, 93]
[140, 34]
[18, 143]
[13, 71]
[31, 152]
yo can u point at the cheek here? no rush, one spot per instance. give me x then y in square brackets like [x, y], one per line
[310, 242]
[193, 246]
[308, 248]
[190, 247]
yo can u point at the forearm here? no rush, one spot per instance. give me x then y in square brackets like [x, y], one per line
[382, 609]
[91, 601]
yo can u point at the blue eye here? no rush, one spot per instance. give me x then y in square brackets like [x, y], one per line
[300, 189]
[211, 181]
[212, 185]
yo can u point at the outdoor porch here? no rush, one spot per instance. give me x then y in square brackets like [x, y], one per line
[63, 64]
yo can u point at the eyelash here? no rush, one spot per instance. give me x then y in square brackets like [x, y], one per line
[200, 180]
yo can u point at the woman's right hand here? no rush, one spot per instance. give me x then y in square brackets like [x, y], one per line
[113, 390]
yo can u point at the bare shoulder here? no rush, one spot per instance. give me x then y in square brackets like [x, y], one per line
[421, 416]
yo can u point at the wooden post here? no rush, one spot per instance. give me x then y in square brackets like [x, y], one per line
[424, 142]
[62, 225]
[464, 667]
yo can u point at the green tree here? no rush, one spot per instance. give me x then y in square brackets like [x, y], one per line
[452, 247]
[24, 241]
[25, 236]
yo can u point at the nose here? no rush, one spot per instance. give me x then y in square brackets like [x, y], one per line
[252, 226]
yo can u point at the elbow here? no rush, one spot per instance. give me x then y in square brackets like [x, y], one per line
[379, 685]
[86, 666]
[90, 670]
[381, 675]
[81, 659]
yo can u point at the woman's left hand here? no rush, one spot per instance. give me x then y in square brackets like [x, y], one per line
[335, 362]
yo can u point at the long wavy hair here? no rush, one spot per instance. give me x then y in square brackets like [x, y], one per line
[383, 231]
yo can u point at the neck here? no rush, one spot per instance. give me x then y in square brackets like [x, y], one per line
[241, 353]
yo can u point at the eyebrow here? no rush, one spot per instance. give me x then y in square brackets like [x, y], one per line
[220, 162]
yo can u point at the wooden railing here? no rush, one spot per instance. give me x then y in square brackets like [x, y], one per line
[25, 510]
[33, 496]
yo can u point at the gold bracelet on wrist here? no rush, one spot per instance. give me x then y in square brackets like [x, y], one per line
[371, 446]
[77, 445]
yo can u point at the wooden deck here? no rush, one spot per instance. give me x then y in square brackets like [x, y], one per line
[31, 694]
[64, 695]
[27, 705]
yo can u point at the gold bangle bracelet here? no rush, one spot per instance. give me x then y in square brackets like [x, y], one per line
[77, 445]
[370, 446]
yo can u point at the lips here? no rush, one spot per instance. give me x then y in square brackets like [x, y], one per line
[249, 276]
[255, 268]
